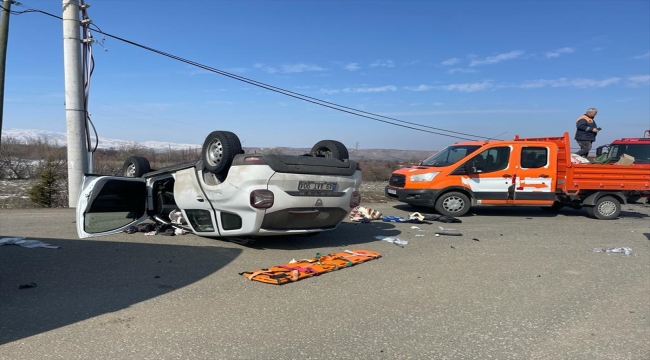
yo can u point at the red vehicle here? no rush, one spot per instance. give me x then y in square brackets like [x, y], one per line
[639, 148]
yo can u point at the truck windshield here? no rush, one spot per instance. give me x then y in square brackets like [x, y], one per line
[450, 155]
[640, 152]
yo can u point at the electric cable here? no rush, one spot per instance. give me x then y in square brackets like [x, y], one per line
[345, 109]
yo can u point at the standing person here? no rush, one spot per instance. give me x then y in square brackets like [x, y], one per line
[586, 131]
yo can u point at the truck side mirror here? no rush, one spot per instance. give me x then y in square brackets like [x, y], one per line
[603, 149]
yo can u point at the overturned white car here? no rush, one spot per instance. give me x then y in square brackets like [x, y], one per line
[227, 193]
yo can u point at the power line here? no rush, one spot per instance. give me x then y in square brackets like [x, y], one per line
[345, 109]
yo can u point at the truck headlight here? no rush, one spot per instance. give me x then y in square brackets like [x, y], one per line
[424, 177]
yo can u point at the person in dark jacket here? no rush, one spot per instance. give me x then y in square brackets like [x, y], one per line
[586, 131]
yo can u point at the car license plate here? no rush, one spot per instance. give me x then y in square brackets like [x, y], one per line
[392, 191]
[316, 185]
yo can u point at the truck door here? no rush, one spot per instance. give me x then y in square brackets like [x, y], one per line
[535, 181]
[490, 175]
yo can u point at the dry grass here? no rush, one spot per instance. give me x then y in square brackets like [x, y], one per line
[373, 192]
[13, 194]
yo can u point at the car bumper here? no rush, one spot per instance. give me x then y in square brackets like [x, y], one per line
[423, 197]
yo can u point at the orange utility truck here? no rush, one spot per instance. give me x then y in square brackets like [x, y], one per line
[519, 172]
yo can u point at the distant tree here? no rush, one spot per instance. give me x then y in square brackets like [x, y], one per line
[275, 150]
[47, 192]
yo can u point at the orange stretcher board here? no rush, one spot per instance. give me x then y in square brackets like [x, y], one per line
[320, 264]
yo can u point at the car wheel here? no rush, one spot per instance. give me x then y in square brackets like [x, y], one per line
[605, 208]
[237, 149]
[217, 152]
[330, 149]
[453, 204]
[135, 166]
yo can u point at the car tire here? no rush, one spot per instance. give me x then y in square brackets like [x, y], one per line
[237, 149]
[605, 208]
[453, 204]
[218, 152]
[135, 166]
[330, 149]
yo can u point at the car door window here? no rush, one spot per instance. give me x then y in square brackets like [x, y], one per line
[534, 157]
[117, 204]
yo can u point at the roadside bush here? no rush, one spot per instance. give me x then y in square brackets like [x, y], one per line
[377, 170]
[48, 192]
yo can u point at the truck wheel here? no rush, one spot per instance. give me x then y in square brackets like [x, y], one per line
[606, 208]
[217, 152]
[135, 166]
[453, 204]
[330, 149]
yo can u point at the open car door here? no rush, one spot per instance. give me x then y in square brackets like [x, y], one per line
[109, 204]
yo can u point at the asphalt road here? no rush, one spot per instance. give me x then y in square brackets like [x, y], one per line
[529, 288]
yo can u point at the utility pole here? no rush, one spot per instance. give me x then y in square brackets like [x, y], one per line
[75, 113]
[4, 36]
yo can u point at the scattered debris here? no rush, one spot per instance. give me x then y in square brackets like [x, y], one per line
[30, 244]
[623, 250]
[442, 218]
[394, 219]
[393, 240]
[419, 235]
[416, 216]
[452, 247]
[449, 232]
[176, 217]
[415, 228]
[364, 214]
[27, 286]
[446, 229]
[475, 239]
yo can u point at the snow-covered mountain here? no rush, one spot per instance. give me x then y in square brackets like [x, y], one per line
[59, 138]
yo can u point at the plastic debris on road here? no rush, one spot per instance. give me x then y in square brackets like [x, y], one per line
[448, 232]
[27, 286]
[621, 250]
[392, 239]
[394, 219]
[30, 244]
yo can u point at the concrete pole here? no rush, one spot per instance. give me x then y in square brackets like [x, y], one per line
[74, 100]
[4, 35]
